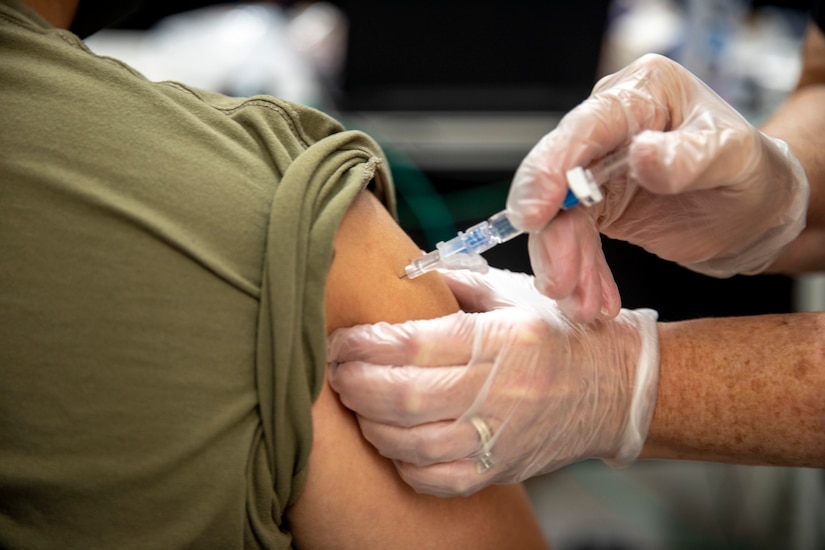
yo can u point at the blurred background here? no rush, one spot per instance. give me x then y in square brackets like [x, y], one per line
[457, 92]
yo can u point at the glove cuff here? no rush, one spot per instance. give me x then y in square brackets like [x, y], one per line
[645, 390]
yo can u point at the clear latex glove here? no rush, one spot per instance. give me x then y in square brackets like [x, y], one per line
[705, 188]
[473, 399]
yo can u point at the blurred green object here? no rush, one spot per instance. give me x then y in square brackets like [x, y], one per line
[421, 208]
[438, 216]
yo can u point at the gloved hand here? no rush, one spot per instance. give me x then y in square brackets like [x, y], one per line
[705, 188]
[472, 399]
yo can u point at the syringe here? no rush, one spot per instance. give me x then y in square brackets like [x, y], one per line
[464, 250]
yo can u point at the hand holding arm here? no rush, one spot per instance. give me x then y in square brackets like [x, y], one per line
[550, 392]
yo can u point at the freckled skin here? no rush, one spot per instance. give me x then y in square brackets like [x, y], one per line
[754, 403]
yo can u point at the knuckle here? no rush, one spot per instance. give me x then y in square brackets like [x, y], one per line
[531, 330]
[417, 394]
[431, 449]
[410, 404]
[655, 61]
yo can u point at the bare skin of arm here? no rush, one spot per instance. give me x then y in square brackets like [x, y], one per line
[750, 390]
[745, 390]
[353, 497]
[800, 122]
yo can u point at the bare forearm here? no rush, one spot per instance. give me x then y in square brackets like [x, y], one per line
[748, 390]
[800, 122]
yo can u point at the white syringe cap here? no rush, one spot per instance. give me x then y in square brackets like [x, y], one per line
[584, 186]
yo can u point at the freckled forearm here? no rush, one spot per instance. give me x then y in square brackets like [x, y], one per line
[748, 390]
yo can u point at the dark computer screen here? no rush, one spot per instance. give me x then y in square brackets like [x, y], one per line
[462, 55]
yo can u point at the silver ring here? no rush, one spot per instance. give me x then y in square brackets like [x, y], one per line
[485, 435]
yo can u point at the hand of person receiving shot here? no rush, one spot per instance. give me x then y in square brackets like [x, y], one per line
[499, 396]
[704, 188]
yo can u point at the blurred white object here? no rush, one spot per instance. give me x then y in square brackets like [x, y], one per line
[318, 31]
[711, 31]
[749, 56]
[237, 49]
[638, 27]
[765, 59]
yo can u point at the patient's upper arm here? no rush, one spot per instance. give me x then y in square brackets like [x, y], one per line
[353, 496]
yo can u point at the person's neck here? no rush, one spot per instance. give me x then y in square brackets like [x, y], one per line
[59, 13]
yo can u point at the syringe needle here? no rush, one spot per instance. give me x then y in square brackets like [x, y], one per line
[403, 276]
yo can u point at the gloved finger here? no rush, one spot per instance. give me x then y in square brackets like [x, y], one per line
[422, 444]
[611, 299]
[605, 121]
[567, 259]
[447, 479]
[692, 157]
[430, 342]
[638, 97]
[480, 292]
[584, 304]
[556, 255]
[539, 184]
[582, 283]
[407, 396]
[597, 296]
[448, 340]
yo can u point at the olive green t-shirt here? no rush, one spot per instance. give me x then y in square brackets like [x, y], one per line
[163, 255]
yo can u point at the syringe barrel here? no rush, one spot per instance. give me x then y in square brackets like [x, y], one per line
[610, 166]
[480, 237]
[501, 227]
[424, 264]
[475, 240]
